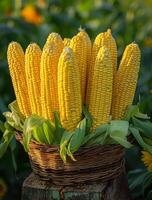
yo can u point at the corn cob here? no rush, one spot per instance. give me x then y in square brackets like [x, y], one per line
[125, 81]
[69, 90]
[66, 41]
[32, 70]
[79, 45]
[102, 39]
[16, 60]
[101, 88]
[54, 37]
[48, 74]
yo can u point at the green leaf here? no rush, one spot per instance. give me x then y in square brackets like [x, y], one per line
[7, 138]
[2, 128]
[144, 126]
[12, 146]
[147, 140]
[135, 179]
[131, 111]
[147, 181]
[8, 135]
[118, 131]
[26, 139]
[142, 116]
[63, 144]
[137, 136]
[77, 138]
[59, 129]
[15, 109]
[13, 120]
[31, 127]
[3, 148]
[88, 119]
[119, 126]
[96, 136]
[122, 141]
[38, 134]
[49, 131]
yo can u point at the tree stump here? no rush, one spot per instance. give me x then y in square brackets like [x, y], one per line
[35, 189]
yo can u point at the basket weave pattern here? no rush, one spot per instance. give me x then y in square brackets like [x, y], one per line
[97, 163]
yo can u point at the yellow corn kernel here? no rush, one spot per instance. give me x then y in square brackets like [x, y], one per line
[48, 74]
[54, 37]
[32, 70]
[66, 41]
[125, 81]
[79, 45]
[101, 88]
[69, 90]
[15, 56]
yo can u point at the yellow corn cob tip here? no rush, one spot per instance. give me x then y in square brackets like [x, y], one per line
[32, 69]
[125, 81]
[80, 47]
[48, 74]
[97, 44]
[15, 56]
[53, 37]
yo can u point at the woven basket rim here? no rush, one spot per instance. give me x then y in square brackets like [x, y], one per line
[19, 137]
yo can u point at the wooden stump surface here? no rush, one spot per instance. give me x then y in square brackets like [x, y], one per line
[35, 189]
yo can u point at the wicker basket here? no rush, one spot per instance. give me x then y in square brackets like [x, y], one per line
[98, 163]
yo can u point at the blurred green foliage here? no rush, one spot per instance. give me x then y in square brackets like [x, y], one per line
[129, 21]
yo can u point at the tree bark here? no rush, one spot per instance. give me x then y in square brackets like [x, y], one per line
[35, 189]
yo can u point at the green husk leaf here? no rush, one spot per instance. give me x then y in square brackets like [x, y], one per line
[122, 141]
[15, 109]
[118, 131]
[66, 136]
[142, 116]
[89, 119]
[131, 111]
[59, 129]
[119, 126]
[13, 120]
[77, 138]
[33, 127]
[49, 131]
[96, 136]
[38, 134]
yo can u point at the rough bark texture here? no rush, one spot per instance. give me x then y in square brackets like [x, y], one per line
[35, 189]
